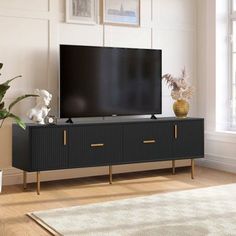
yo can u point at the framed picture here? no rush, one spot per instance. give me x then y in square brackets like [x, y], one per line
[81, 11]
[121, 12]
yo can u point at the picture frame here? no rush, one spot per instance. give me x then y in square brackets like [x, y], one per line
[121, 12]
[82, 11]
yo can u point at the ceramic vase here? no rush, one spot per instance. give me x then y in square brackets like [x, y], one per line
[181, 108]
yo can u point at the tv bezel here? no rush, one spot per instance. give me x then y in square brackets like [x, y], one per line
[110, 115]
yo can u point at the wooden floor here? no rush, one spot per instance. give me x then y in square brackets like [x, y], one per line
[15, 203]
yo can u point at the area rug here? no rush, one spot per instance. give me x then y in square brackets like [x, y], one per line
[199, 212]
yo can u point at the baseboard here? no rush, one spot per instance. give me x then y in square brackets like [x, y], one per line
[13, 176]
[224, 163]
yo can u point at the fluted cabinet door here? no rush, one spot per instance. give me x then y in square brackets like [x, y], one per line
[49, 148]
[188, 139]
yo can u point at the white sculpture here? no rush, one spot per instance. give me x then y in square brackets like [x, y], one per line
[41, 110]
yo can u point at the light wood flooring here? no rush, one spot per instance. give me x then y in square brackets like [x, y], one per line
[15, 203]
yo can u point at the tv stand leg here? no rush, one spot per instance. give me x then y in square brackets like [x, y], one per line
[192, 168]
[24, 180]
[38, 182]
[110, 174]
[173, 167]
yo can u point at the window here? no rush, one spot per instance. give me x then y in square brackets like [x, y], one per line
[234, 5]
[232, 50]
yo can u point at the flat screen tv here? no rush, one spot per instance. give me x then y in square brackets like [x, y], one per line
[106, 81]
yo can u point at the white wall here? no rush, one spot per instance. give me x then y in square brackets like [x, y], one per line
[219, 145]
[31, 31]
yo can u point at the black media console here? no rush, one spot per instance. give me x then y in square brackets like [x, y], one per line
[106, 143]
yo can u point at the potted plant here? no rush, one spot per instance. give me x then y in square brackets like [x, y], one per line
[181, 91]
[5, 111]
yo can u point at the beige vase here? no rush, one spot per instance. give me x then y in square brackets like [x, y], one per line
[181, 108]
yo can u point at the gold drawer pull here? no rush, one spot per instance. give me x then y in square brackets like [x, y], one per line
[97, 145]
[65, 138]
[176, 131]
[149, 141]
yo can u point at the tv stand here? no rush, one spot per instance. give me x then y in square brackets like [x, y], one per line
[106, 143]
[69, 121]
[153, 117]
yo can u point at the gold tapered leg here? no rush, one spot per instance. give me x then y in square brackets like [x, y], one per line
[110, 174]
[192, 168]
[24, 179]
[173, 167]
[38, 183]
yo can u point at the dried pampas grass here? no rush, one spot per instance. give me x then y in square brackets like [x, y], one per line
[180, 89]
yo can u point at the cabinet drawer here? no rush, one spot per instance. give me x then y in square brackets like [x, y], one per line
[147, 142]
[95, 145]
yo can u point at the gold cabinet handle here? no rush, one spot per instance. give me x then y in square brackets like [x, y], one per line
[149, 141]
[97, 145]
[65, 137]
[176, 131]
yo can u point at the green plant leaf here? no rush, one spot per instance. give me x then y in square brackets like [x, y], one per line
[9, 81]
[5, 86]
[17, 120]
[3, 114]
[2, 105]
[1, 65]
[19, 99]
[3, 89]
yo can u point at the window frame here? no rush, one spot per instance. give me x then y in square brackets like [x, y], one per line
[232, 81]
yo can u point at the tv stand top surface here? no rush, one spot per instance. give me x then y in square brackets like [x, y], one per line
[116, 120]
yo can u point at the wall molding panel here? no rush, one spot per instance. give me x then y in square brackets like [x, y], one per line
[26, 5]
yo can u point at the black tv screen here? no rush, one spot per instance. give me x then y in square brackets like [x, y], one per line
[105, 81]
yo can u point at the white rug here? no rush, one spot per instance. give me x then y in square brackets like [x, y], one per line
[199, 212]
